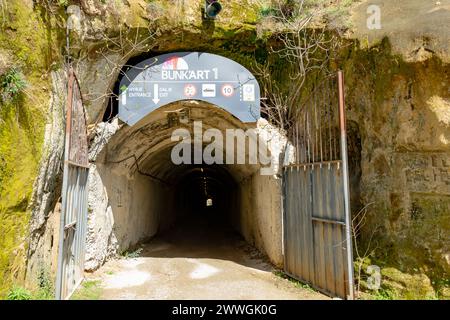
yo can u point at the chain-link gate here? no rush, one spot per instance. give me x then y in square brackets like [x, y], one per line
[317, 235]
[74, 195]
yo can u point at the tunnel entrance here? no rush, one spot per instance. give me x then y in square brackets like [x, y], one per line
[140, 190]
[144, 192]
[138, 194]
[202, 229]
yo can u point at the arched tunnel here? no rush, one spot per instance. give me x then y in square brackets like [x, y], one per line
[149, 196]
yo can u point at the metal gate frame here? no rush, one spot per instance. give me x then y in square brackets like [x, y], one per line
[73, 219]
[317, 243]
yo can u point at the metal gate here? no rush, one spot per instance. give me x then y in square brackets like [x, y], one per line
[73, 219]
[317, 236]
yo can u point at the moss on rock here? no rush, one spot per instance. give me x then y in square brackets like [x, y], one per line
[26, 37]
[407, 286]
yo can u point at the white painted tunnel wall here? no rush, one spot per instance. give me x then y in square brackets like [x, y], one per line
[123, 211]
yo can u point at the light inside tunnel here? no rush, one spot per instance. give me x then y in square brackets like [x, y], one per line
[198, 187]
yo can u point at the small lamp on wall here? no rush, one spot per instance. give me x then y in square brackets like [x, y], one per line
[212, 9]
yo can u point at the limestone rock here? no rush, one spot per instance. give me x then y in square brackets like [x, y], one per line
[5, 61]
[100, 240]
[47, 187]
[92, 7]
[101, 243]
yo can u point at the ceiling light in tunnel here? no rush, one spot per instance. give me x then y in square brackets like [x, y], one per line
[209, 202]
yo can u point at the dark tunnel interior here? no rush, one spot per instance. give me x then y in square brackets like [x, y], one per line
[207, 195]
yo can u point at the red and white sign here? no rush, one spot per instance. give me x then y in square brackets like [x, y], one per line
[175, 63]
[189, 90]
[227, 90]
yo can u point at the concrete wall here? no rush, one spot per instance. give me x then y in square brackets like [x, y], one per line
[123, 211]
[260, 220]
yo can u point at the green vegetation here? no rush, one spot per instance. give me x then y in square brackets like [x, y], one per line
[297, 283]
[11, 84]
[89, 290]
[45, 290]
[332, 10]
[28, 37]
[63, 3]
[338, 14]
[394, 284]
[131, 254]
[266, 11]
[384, 294]
[45, 286]
[19, 293]
[285, 9]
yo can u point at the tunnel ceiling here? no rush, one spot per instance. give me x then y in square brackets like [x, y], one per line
[145, 148]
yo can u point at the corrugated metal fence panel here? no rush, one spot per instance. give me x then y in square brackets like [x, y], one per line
[297, 221]
[74, 230]
[317, 244]
[329, 228]
[315, 227]
[74, 196]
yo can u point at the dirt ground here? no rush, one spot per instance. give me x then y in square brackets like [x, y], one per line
[199, 261]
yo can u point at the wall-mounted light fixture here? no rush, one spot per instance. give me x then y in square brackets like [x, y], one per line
[212, 9]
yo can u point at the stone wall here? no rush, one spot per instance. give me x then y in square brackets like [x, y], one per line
[402, 111]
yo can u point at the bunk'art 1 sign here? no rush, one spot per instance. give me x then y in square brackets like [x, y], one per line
[172, 77]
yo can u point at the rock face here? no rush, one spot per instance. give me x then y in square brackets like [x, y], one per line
[101, 242]
[25, 87]
[5, 62]
[418, 29]
[401, 115]
[44, 225]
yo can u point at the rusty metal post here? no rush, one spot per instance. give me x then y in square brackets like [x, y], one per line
[348, 221]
